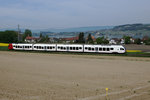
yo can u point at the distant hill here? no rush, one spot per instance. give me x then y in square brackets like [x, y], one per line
[78, 29]
[132, 27]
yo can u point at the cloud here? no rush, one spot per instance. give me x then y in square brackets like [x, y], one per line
[72, 13]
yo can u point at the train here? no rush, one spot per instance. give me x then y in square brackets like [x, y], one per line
[88, 48]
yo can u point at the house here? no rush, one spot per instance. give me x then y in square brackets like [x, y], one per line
[93, 38]
[114, 41]
[71, 39]
[145, 38]
[29, 39]
[53, 40]
[122, 41]
[132, 40]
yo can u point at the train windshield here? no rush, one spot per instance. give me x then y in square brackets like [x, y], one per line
[121, 48]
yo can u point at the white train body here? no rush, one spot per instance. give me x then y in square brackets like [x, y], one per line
[44, 47]
[71, 48]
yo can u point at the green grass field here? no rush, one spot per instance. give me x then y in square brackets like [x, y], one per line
[129, 54]
[3, 48]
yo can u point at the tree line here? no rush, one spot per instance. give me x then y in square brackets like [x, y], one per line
[12, 37]
[8, 36]
[89, 40]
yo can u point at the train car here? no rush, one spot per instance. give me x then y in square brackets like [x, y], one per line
[44, 47]
[70, 47]
[104, 48]
[21, 46]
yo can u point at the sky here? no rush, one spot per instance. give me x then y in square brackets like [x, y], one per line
[43, 14]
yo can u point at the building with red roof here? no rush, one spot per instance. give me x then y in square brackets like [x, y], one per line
[30, 39]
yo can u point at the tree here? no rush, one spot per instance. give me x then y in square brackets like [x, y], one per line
[89, 39]
[105, 41]
[46, 39]
[138, 41]
[147, 42]
[27, 33]
[102, 40]
[99, 40]
[8, 36]
[81, 38]
[41, 35]
[127, 39]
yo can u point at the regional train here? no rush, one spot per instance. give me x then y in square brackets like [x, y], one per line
[68, 48]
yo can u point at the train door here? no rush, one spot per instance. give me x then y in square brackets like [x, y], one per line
[96, 49]
[67, 48]
[45, 48]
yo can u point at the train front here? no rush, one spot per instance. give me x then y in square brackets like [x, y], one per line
[10, 46]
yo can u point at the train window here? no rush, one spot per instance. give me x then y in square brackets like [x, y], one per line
[111, 48]
[30, 46]
[58, 47]
[61, 47]
[80, 47]
[89, 48]
[64, 48]
[42, 47]
[121, 48]
[86, 48]
[100, 49]
[74, 48]
[50, 47]
[70, 48]
[39, 47]
[108, 49]
[92, 49]
[77, 48]
[34, 46]
[104, 49]
[53, 47]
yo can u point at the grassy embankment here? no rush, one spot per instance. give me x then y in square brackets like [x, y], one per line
[130, 53]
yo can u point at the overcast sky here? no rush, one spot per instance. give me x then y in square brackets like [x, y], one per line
[72, 13]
